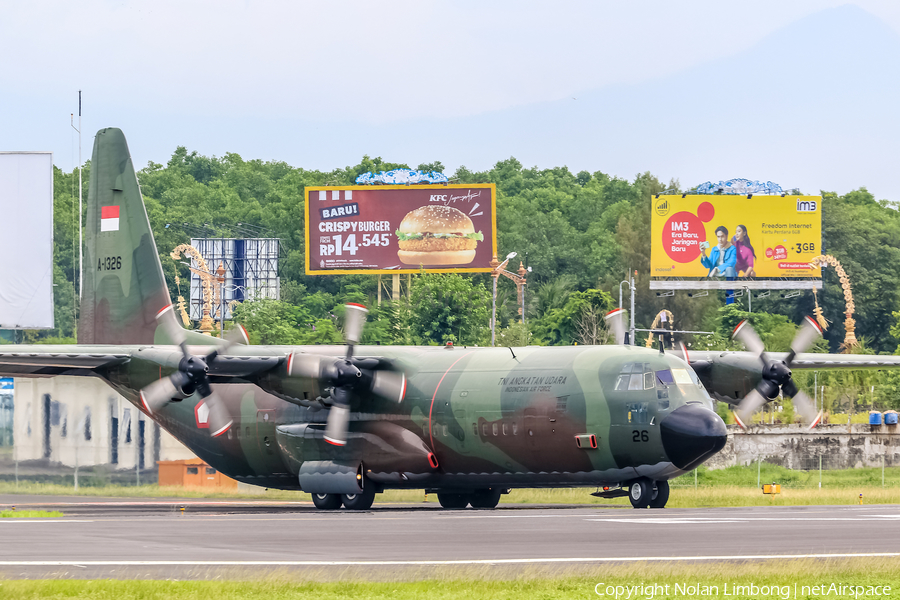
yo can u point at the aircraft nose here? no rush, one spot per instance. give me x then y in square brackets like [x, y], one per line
[691, 434]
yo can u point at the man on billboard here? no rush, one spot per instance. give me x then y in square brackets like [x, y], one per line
[722, 258]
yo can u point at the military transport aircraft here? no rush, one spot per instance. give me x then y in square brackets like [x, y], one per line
[346, 422]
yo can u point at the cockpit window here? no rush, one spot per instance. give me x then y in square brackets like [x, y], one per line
[682, 377]
[638, 412]
[635, 376]
[664, 378]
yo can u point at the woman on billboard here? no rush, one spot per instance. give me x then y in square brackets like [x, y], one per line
[744, 251]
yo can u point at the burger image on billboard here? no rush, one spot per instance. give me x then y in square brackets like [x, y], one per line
[437, 235]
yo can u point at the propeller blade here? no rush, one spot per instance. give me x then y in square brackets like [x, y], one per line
[745, 334]
[161, 392]
[304, 365]
[807, 335]
[219, 419]
[390, 385]
[236, 335]
[681, 352]
[338, 417]
[354, 320]
[806, 409]
[336, 427]
[615, 320]
[165, 318]
[749, 405]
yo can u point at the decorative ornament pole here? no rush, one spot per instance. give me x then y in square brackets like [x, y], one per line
[850, 340]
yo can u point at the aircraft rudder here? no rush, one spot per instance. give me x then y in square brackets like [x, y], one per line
[124, 287]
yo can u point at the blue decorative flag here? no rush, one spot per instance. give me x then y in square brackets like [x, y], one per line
[401, 177]
[740, 186]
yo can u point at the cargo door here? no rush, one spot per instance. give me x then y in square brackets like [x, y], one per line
[266, 442]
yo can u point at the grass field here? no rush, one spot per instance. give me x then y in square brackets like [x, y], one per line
[28, 514]
[772, 579]
[734, 486]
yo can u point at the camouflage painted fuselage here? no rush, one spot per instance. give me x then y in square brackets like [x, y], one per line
[489, 416]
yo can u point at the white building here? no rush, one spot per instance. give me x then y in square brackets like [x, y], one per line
[63, 422]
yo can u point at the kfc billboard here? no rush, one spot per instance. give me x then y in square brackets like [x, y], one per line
[732, 236]
[400, 229]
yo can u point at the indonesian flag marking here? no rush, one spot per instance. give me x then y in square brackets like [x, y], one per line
[201, 414]
[109, 218]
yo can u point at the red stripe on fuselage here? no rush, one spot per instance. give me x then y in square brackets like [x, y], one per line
[431, 409]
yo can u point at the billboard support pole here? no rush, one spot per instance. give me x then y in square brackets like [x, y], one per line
[495, 273]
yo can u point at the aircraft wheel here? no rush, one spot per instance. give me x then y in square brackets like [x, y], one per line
[660, 495]
[361, 501]
[639, 493]
[327, 501]
[448, 500]
[488, 498]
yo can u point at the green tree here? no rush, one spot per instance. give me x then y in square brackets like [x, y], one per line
[574, 322]
[448, 308]
[270, 321]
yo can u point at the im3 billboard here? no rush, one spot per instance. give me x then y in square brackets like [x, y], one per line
[400, 229]
[735, 236]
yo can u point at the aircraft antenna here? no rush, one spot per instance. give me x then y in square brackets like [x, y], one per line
[80, 192]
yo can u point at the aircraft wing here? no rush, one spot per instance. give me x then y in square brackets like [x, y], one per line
[49, 361]
[730, 376]
[824, 362]
[806, 361]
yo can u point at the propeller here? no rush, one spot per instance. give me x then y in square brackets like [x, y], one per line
[191, 376]
[615, 320]
[776, 374]
[348, 375]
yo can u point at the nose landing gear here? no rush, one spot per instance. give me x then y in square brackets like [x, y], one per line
[644, 493]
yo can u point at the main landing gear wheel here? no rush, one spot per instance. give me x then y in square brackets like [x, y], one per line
[327, 501]
[487, 498]
[449, 500]
[361, 501]
[639, 492]
[660, 495]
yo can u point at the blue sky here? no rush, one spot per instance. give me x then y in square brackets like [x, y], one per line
[691, 90]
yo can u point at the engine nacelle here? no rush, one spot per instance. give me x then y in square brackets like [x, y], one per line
[329, 477]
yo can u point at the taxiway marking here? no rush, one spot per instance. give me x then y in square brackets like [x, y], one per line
[705, 520]
[377, 563]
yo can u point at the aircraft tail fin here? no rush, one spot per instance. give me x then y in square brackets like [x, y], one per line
[124, 286]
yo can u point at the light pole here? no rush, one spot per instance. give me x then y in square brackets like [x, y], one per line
[626, 282]
[630, 283]
[633, 290]
[496, 268]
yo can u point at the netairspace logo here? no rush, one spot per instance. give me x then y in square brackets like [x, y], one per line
[649, 591]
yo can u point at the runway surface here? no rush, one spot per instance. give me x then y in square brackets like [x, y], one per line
[143, 538]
